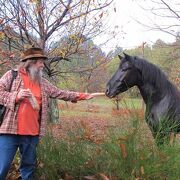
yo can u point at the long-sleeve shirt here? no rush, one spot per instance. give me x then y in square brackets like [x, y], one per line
[8, 99]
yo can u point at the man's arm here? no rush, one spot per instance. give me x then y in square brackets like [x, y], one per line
[65, 95]
[7, 98]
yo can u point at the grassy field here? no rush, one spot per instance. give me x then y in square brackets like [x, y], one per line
[100, 106]
[94, 141]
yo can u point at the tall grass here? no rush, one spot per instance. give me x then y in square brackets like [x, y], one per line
[124, 154]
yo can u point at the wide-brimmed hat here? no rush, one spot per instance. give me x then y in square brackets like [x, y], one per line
[33, 53]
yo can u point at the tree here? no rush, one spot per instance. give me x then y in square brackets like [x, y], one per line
[44, 22]
[115, 52]
[164, 15]
[87, 71]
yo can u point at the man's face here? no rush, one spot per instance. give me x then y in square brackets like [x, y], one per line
[36, 69]
[39, 65]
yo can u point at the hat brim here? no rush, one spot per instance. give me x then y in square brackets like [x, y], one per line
[34, 57]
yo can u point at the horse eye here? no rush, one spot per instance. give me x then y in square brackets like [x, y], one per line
[117, 80]
[126, 68]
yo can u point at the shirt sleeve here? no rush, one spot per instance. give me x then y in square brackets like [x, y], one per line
[7, 98]
[54, 92]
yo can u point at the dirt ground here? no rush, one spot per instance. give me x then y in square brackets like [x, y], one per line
[94, 120]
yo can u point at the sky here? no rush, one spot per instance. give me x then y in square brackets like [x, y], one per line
[132, 34]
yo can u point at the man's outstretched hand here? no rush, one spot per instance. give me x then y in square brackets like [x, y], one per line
[87, 96]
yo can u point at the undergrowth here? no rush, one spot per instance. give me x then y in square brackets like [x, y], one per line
[124, 154]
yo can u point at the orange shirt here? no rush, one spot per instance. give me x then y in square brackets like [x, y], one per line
[28, 118]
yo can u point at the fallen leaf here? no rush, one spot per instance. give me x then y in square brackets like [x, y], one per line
[123, 150]
[104, 177]
[90, 177]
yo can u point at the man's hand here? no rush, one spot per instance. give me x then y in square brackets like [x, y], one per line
[87, 96]
[24, 93]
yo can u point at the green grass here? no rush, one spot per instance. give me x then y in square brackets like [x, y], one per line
[101, 106]
[104, 102]
[124, 103]
[127, 153]
[131, 103]
[79, 157]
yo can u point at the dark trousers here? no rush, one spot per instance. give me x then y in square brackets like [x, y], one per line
[9, 145]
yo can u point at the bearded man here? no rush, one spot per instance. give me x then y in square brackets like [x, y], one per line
[26, 110]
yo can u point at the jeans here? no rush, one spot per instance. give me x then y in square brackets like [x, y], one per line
[27, 148]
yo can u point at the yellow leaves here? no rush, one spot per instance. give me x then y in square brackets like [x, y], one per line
[73, 36]
[87, 130]
[34, 1]
[2, 36]
[76, 39]
[62, 53]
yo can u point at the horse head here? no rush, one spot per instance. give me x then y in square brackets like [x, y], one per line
[126, 76]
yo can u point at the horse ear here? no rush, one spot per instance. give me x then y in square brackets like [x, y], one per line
[127, 57]
[120, 57]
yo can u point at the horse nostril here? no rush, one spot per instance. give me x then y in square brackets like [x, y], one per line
[107, 91]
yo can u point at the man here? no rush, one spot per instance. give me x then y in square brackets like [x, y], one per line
[26, 111]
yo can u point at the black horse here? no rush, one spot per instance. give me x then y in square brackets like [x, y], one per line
[161, 97]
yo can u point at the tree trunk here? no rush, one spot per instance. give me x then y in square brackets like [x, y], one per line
[53, 111]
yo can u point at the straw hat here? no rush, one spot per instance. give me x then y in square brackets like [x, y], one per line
[33, 53]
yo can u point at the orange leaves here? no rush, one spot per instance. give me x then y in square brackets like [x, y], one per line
[87, 131]
[96, 177]
[123, 150]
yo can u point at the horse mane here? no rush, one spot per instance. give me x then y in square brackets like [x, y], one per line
[153, 74]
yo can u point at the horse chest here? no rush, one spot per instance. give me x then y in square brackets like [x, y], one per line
[159, 110]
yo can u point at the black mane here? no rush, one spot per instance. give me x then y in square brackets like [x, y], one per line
[155, 75]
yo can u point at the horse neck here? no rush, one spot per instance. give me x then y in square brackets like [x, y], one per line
[151, 94]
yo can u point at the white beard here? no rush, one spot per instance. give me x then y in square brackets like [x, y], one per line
[35, 74]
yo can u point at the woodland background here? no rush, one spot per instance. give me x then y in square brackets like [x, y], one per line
[66, 30]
